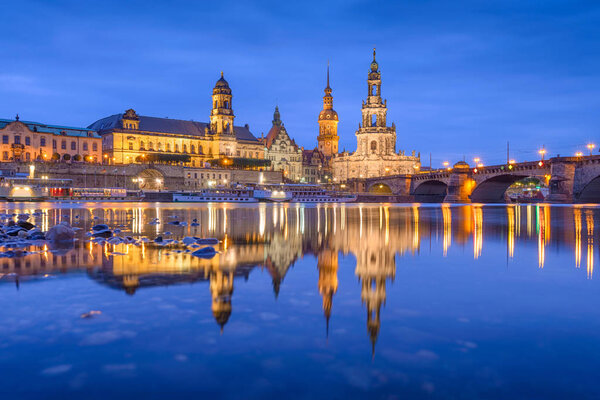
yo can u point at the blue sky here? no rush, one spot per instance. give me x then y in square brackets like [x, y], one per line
[461, 77]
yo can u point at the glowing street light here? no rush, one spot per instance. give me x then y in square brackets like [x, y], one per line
[542, 152]
[579, 154]
[446, 164]
[591, 147]
[477, 159]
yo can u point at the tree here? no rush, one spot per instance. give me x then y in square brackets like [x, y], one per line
[66, 157]
[77, 157]
[55, 157]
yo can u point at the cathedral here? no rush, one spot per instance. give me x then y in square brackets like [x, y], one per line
[375, 154]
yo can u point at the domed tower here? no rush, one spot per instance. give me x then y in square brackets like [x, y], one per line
[221, 116]
[328, 121]
[221, 290]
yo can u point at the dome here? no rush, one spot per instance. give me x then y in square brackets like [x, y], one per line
[374, 65]
[222, 83]
[328, 114]
[461, 165]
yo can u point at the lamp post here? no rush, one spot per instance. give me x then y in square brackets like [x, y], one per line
[591, 147]
[542, 152]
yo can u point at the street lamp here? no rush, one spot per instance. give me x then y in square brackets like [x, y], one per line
[591, 147]
[477, 159]
[579, 154]
[542, 152]
[446, 164]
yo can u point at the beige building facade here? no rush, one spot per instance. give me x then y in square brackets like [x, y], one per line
[33, 141]
[375, 154]
[132, 138]
[282, 150]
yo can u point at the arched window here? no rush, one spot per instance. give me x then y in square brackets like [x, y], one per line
[193, 149]
[141, 145]
[373, 120]
[226, 104]
[374, 90]
[373, 146]
[176, 148]
[150, 146]
[216, 104]
[159, 146]
[168, 146]
[185, 148]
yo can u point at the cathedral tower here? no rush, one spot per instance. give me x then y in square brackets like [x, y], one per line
[221, 116]
[328, 120]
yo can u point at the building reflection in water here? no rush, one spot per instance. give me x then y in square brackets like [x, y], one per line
[272, 238]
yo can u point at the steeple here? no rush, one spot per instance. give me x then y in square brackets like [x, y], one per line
[221, 116]
[276, 117]
[328, 120]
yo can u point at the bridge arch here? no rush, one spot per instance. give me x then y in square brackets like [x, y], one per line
[380, 188]
[150, 179]
[431, 191]
[590, 192]
[492, 190]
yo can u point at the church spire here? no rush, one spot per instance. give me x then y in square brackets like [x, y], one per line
[327, 73]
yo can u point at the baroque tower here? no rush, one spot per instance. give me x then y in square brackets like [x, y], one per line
[328, 121]
[374, 136]
[221, 116]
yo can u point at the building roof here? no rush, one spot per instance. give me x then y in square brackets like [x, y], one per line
[168, 125]
[307, 155]
[54, 129]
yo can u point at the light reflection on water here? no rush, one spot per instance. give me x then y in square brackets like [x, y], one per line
[459, 300]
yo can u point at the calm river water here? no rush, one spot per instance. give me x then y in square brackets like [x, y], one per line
[328, 301]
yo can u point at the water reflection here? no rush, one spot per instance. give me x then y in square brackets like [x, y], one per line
[271, 238]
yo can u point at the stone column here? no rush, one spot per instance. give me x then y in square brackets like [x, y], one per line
[459, 186]
[561, 181]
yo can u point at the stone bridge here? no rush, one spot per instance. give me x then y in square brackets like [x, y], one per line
[570, 179]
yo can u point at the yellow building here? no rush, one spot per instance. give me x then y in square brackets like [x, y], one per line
[34, 141]
[328, 124]
[132, 138]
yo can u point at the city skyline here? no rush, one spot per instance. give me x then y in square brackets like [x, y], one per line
[461, 80]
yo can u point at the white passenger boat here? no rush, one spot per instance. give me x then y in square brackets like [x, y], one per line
[303, 193]
[274, 194]
[244, 195]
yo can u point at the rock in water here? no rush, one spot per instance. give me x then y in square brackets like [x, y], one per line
[60, 233]
[205, 252]
[208, 241]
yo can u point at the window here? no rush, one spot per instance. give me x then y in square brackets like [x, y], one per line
[373, 146]
[130, 145]
[185, 148]
[85, 146]
[43, 142]
[238, 153]
[141, 145]
[73, 146]
[168, 147]
[54, 144]
[150, 146]
[4, 139]
[373, 120]
[5, 155]
[95, 146]
[159, 147]
[27, 156]
[27, 141]
[63, 144]
[17, 139]
[193, 149]
[176, 148]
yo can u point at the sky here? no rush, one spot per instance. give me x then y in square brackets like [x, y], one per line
[461, 78]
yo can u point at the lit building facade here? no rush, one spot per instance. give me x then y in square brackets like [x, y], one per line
[132, 138]
[34, 141]
[282, 150]
[328, 124]
[375, 154]
[314, 166]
